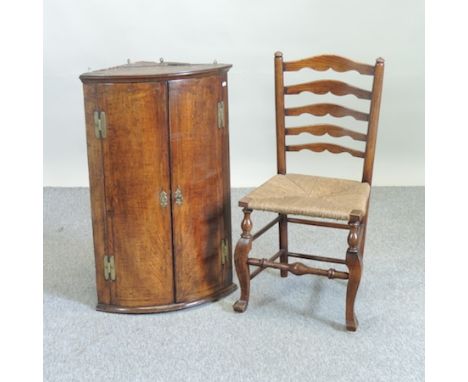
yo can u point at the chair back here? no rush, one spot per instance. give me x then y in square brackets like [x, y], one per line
[338, 88]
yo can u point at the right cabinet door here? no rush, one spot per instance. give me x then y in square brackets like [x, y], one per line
[198, 157]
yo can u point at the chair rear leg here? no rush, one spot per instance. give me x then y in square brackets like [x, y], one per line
[243, 247]
[354, 264]
[283, 242]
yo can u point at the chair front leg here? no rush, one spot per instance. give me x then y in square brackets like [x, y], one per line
[243, 247]
[354, 264]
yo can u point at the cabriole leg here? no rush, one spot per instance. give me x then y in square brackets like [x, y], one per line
[243, 247]
[354, 264]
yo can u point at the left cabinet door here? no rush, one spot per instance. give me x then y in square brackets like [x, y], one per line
[129, 171]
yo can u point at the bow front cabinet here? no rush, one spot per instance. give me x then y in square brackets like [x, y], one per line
[158, 157]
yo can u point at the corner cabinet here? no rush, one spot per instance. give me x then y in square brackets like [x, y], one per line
[158, 157]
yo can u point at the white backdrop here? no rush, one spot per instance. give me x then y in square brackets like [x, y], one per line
[87, 34]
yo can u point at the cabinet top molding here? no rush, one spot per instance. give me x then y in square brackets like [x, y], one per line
[149, 70]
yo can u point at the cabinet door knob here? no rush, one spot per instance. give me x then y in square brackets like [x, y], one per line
[178, 197]
[163, 198]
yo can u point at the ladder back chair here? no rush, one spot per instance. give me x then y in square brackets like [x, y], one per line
[343, 203]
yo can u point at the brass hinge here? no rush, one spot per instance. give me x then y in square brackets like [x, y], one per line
[109, 268]
[224, 252]
[220, 115]
[100, 128]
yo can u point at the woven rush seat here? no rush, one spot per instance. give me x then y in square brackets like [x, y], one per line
[308, 195]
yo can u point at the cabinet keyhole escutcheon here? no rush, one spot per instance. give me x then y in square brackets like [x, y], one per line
[178, 197]
[163, 199]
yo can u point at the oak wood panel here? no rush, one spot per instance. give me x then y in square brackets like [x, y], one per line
[226, 275]
[327, 61]
[322, 109]
[332, 130]
[97, 193]
[338, 88]
[196, 158]
[330, 147]
[136, 171]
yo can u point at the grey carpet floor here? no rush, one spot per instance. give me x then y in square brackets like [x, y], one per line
[292, 331]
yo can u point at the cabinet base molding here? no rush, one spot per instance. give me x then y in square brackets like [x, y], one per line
[166, 308]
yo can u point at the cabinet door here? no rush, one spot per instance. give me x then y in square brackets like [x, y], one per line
[199, 219]
[136, 171]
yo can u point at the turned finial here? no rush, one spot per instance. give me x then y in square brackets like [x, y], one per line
[246, 224]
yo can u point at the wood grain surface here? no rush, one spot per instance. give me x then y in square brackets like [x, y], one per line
[163, 137]
[136, 162]
[197, 166]
[338, 88]
[329, 61]
[322, 109]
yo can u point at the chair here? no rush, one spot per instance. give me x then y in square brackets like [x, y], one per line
[343, 203]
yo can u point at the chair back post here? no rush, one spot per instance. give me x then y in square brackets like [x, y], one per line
[279, 104]
[373, 121]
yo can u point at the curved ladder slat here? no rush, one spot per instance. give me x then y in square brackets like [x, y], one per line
[325, 62]
[319, 147]
[331, 130]
[322, 109]
[338, 88]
